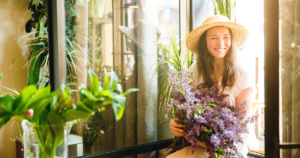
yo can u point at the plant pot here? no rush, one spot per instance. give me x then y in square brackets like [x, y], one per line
[49, 141]
[261, 143]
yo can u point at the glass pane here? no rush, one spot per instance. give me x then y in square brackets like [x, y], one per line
[252, 57]
[119, 36]
[289, 73]
[289, 153]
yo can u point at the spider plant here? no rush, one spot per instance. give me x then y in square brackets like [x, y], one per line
[39, 59]
[171, 59]
[39, 53]
[226, 8]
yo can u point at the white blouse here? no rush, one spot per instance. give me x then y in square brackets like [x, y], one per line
[243, 81]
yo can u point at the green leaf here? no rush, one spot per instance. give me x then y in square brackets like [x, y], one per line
[106, 81]
[40, 105]
[82, 107]
[100, 87]
[65, 91]
[34, 70]
[7, 102]
[120, 99]
[4, 120]
[118, 110]
[40, 94]
[200, 111]
[211, 104]
[210, 131]
[72, 114]
[203, 139]
[88, 99]
[105, 93]
[23, 97]
[3, 111]
[56, 124]
[107, 101]
[119, 88]
[94, 82]
[130, 90]
[113, 81]
[220, 150]
[1, 75]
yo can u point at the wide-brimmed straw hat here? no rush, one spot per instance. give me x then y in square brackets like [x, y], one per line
[143, 33]
[240, 33]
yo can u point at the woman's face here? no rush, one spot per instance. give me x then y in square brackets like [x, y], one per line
[218, 41]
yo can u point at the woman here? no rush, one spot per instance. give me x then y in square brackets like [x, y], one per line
[215, 43]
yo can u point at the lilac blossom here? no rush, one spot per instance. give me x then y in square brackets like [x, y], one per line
[206, 115]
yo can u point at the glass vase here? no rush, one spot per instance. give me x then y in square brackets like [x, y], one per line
[48, 141]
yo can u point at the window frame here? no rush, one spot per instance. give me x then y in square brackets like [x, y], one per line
[271, 10]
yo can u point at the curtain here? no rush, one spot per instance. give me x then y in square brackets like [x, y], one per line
[289, 30]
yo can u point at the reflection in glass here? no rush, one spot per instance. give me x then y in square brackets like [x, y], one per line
[289, 74]
[119, 35]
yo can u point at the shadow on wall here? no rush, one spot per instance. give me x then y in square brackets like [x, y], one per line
[13, 15]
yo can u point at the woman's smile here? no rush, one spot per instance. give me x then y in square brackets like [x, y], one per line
[218, 41]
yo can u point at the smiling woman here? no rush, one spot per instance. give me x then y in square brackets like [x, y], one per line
[214, 44]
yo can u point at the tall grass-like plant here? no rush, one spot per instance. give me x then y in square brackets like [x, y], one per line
[226, 8]
[37, 63]
[172, 57]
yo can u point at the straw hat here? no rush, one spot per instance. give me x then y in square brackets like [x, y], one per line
[240, 33]
[143, 33]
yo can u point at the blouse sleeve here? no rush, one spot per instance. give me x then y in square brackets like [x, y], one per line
[243, 81]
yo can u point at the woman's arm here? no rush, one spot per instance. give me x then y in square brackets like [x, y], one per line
[248, 96]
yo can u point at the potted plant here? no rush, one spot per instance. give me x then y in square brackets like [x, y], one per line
[46, 113]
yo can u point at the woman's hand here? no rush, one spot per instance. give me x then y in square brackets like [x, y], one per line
[175, 128]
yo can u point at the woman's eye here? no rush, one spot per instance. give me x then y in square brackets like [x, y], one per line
[227, 37]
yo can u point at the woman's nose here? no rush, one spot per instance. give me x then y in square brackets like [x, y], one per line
[220, 42]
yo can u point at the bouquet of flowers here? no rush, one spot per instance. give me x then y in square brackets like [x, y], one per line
[206, 115]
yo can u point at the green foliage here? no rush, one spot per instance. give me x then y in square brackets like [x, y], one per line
[39, 11]
[39, 55]
[171, 59]
[262, 133]
[226, 8]
[96, 126]
[52, 109]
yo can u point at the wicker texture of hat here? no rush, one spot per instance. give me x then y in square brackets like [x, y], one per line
[240, 33]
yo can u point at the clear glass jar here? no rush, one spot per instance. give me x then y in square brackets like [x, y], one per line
[49, 141]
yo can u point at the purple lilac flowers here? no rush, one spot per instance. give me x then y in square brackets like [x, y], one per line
[206, 115]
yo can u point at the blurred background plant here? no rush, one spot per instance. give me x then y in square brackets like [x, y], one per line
[226, 8]
[172, 57]
[48, 112]
[39, 52]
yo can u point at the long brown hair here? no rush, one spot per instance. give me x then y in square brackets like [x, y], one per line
[205, 63]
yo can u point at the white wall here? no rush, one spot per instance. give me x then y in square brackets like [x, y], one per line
[13, 15]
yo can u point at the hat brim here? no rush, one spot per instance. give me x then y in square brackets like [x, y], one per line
[239, 32]
[129, 32]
